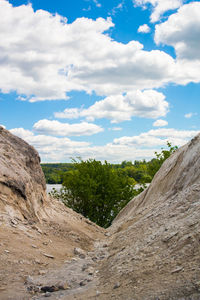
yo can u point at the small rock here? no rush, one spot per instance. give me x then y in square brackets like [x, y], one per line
[14, 222]
[74, 259]
[83, 283]
[177, 270]
[105, 245]
[42, 272]
[85, 267]
[37, 261]
[97, 293]
[33, 289]
[90, 271]
[7, 251]
[116, 286]
[101, 257]
[94, 258]
[29, 280]
[45, 243]
[79, 252]
[34, 246]
[37, 228]
[64, 286]
[47, 294]
[48, 255]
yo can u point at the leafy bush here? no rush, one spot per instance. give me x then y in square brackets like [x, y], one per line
[155, 164]
[99, 191]
[96, 190]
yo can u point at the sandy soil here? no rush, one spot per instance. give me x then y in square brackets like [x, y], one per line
[28, 250]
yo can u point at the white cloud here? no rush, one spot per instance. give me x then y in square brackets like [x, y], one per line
[42, 57]
[59, 149]
[158, 137]
[118, 108]
[51, 148]
[181, 31]
[160, 123]
[57, 128]
[117, 8]
[159, 6]
[22, 133]
[144, 28]
[190, 115]
[54, 149]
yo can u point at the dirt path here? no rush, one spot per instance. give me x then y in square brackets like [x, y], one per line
[36, 251]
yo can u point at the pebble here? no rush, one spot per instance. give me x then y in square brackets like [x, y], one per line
[90, 271]
[37, 261]
[48, 255]
[84, 267]
[82, 283]
[79, 252]
[116, 286]
[179, 269]
[47, 294]
[42, 272]
[97, 293]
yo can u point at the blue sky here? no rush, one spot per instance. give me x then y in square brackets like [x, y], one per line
[112, 80]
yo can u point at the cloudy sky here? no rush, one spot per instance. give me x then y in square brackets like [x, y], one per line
[100, 79]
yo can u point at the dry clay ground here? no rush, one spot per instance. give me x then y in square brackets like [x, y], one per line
[32, 250]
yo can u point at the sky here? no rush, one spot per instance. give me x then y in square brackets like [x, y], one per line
[109, 80]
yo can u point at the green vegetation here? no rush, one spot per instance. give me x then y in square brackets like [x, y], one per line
[96, 190]
[100, 190]
[54, 172]
[139, 172]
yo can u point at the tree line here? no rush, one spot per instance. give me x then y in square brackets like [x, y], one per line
[100, 190]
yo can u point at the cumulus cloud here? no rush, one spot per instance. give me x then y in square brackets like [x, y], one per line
[53, 127]
[22, 133]
[51, 148]
[181, 31]
[159, 6]
[42, 57]
[160, 123]
[158, 137]
[144, 28]
[118, 108]
[60, 149]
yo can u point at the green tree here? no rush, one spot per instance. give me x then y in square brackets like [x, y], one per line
[155, 164]
[96, 190]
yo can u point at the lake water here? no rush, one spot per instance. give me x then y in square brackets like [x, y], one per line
[58, 187]
[53, 186]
